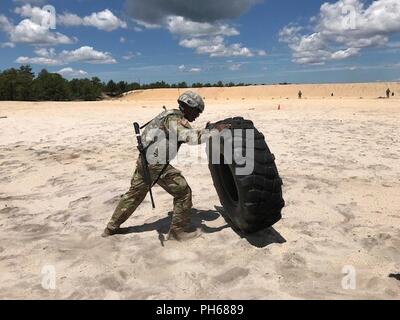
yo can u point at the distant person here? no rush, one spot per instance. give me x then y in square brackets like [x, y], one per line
[300, 94]
[332, 94]
[388, 93]
[392, 94]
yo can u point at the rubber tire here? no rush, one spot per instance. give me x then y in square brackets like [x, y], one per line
[252, 202]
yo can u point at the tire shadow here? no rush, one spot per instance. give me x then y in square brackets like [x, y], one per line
[259, 239]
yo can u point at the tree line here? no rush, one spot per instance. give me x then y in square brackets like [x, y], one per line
[23, 85]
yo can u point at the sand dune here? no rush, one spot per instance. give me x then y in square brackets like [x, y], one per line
[310, 91]
[63, 167]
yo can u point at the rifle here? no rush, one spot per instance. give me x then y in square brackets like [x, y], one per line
[145, 164]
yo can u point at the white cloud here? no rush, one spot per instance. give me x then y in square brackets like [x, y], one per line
[72, 73]
[147, 25]
[5, 24]
[28, 31]
[122, 40]
[195, 70]
[183, 68]
[216, 47]
[186, 28]
[46, 52]
[344, 54]
[39, 60]
[7, 45]
[342, 29]
[87, 54]
[84, 54]
[131, 55]
[201, 35]
[34, 29]
[208, 38]
[103, 20]
[235, 67]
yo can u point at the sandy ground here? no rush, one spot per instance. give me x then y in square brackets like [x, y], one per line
[65, 165]
[309, 91]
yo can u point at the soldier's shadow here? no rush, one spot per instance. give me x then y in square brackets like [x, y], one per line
[259, 239]
[162, 226]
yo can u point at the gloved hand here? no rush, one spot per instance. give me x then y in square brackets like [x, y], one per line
[218, 126]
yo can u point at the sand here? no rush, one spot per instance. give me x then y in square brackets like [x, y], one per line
[309, 91]
[63, 167]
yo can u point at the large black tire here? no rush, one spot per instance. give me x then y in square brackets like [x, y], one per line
[252, 202]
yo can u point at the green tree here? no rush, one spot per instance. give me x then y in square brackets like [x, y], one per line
[8, 80]
[111, 88]
[23, 84]
[182, 84]
[50, 86]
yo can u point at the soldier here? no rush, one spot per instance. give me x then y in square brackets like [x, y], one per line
[173, 124]
[300, 94]
[388, 93]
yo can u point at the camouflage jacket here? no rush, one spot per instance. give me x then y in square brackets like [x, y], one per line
[164, 135]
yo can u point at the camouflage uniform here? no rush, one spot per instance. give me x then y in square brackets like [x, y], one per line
[171, 180]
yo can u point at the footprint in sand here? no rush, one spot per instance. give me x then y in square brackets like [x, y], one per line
[112, 283]
[79, 203]
[346, 210]
[232, 275]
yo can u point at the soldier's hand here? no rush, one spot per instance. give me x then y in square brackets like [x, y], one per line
[218, 126]
[221, 126]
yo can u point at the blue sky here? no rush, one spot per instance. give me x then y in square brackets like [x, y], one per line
[251, 41]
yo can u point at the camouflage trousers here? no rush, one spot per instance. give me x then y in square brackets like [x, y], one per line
[171, 181]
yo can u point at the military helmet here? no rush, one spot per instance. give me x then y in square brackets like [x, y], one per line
[192, 100]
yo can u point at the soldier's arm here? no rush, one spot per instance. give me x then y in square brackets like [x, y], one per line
[181, 129]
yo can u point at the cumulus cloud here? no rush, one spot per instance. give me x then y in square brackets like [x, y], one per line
[216, 47]
[87, 54]
[182, 27]
[33, 29]
[72, 73]
[38, 60]
[342, 29]
[103, 20]
[28, 31]
[198, 27]
[195, 70]
[84, 54]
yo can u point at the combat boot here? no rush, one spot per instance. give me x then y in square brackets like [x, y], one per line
[183, 233]
[109, 232]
